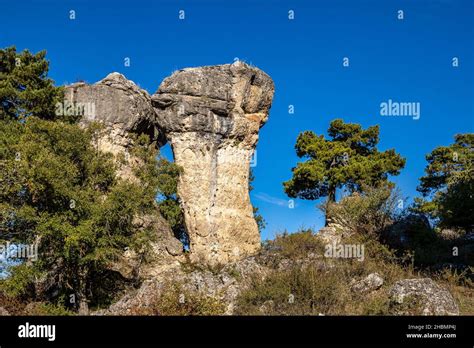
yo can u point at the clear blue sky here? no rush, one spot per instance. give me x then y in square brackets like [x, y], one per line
[405, 60]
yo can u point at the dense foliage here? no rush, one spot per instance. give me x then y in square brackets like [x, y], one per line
[448, 184]
[349, 159]
[368, 213]
[25, 88]
[60, 193]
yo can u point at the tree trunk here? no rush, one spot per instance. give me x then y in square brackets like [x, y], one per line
[331, 199]
[332, 194]
[82, 293]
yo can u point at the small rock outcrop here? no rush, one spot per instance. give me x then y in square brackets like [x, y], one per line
[335, 231]
[370, 283]
[424, 293]
[224, 286]
[212, 116]
[330, 234]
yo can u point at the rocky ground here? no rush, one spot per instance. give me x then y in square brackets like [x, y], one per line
[251, 285]
[289, 276]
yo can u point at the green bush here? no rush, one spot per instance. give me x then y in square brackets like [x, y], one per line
[295, 245]
[47, 309]
[20, 282]
[369, 212]
[57, 190]
[298, 291]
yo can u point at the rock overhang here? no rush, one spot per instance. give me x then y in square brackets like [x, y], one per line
[225, 99]
[212, 116]
[117, 102]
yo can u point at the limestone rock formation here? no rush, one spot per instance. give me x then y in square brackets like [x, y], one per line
[432, 298]
[212, 116]
[124, 109]
[370, 283]
[330, 234]
[225, 286]
[121, 107]
[334, 232]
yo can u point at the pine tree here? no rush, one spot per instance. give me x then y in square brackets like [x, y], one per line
[448, 185]
[25, 88]
[349, 159]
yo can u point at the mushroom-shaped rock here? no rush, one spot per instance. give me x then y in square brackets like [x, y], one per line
[212, 116]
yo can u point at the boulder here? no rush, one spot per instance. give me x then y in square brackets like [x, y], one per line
[370, 283]
[137, 301]
[212, 116]
[330, 235]
[425, 294]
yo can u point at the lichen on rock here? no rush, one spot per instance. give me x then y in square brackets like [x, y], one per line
[429, 296]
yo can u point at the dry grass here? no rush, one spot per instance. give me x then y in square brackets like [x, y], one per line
[323, 286]
[176, 301]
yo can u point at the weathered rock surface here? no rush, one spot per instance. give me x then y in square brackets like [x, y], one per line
[212, 116]
[224, 285]
[330, 234]
[433, 299]
[3, 312]
[124, 110]
[121, 107]
[335, 231]
[113, 100]
[370, 283]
